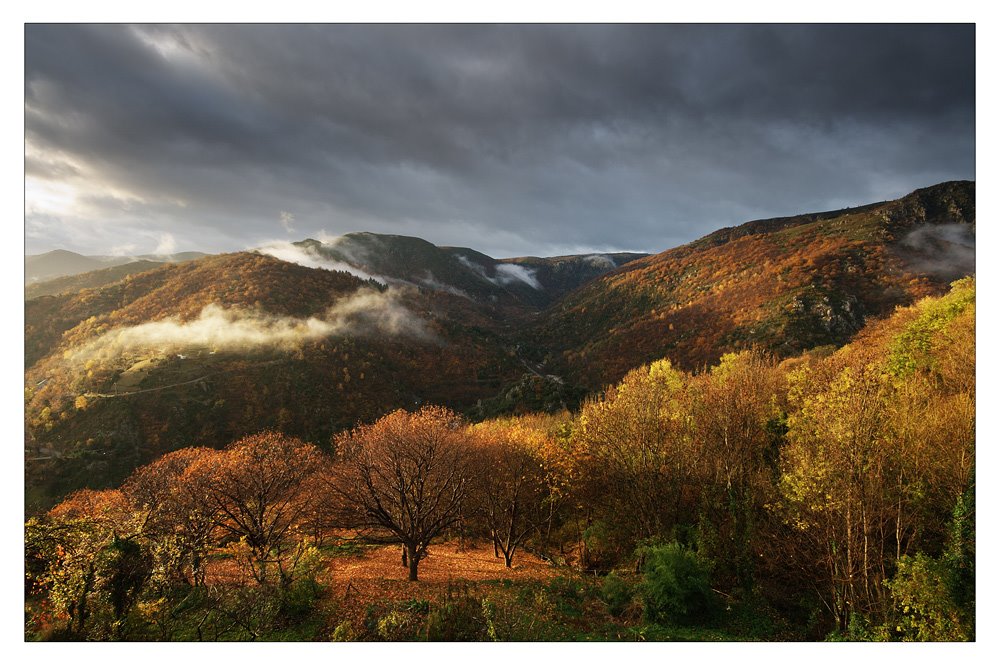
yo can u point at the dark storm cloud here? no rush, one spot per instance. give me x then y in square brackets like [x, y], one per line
[511, 139]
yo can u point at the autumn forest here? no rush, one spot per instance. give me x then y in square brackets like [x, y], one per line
[766, 434]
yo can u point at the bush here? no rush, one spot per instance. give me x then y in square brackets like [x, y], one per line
[924, 604]
[860, 629]
[396, 622]
[568, 594]
[599, 549]
[298, 600]
[616, 593]
[458, 618]
[344, 632]
[676, 588]
[396, 626]
[528, 615]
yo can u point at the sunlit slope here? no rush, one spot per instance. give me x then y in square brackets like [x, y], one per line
[234, 344]
[785, 284]
[206, 351]
[87, 280]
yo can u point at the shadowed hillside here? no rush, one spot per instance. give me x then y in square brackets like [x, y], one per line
[516, 282]
[60, 263]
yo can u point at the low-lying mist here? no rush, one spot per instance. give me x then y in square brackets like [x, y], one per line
[308, 257]
[506, 273]
[430, 282]
[600, 261]
[367, 312]
[509, 273]
[946, 250]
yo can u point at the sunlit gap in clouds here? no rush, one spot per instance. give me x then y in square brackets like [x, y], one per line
[49, 197]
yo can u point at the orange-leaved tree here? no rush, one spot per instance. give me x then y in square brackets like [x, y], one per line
[181, 517]
[403, 479]
[260, 488]
[510, 486]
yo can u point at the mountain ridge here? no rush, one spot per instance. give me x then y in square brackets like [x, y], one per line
[785, 284]
[119, 373]
[57, 263]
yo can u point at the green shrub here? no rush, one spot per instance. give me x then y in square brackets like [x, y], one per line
[860, 629]
[527, 616]
[298, 600]
[600, 550]
[344, 632]
[128, 567]
[926, 610]
[458, 618]
[676, 587]
[396, 622]
[616, 593]
[415, 605]
[568, 594]
[959, 557]
[752, 616]
[395, 626]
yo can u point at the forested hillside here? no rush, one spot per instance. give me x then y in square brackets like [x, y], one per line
[229, 345]
[785, 285]
[508, 285]
[61, 266]
[211, 350]
[830, 494]
[86, 280]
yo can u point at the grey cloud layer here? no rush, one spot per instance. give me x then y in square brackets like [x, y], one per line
[510, 139]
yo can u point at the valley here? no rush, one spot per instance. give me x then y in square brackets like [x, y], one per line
[640, 414]
[521, 332]
[566, 327]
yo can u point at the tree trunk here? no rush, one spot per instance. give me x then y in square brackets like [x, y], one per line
[405, 564]
[508, 557]
[82, 610]
[196, 575]
[411, 554]
[262, 562]
[548, 525]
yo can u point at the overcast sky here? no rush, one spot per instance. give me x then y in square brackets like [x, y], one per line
[513, 140]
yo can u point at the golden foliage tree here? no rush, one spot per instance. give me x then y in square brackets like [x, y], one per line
[259, 489]
[404, 478]
[181, 517]
[639, 459]
[510, 493]
[734, 411]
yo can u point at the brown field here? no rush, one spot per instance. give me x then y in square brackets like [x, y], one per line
[447, 562]
[379, 576]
